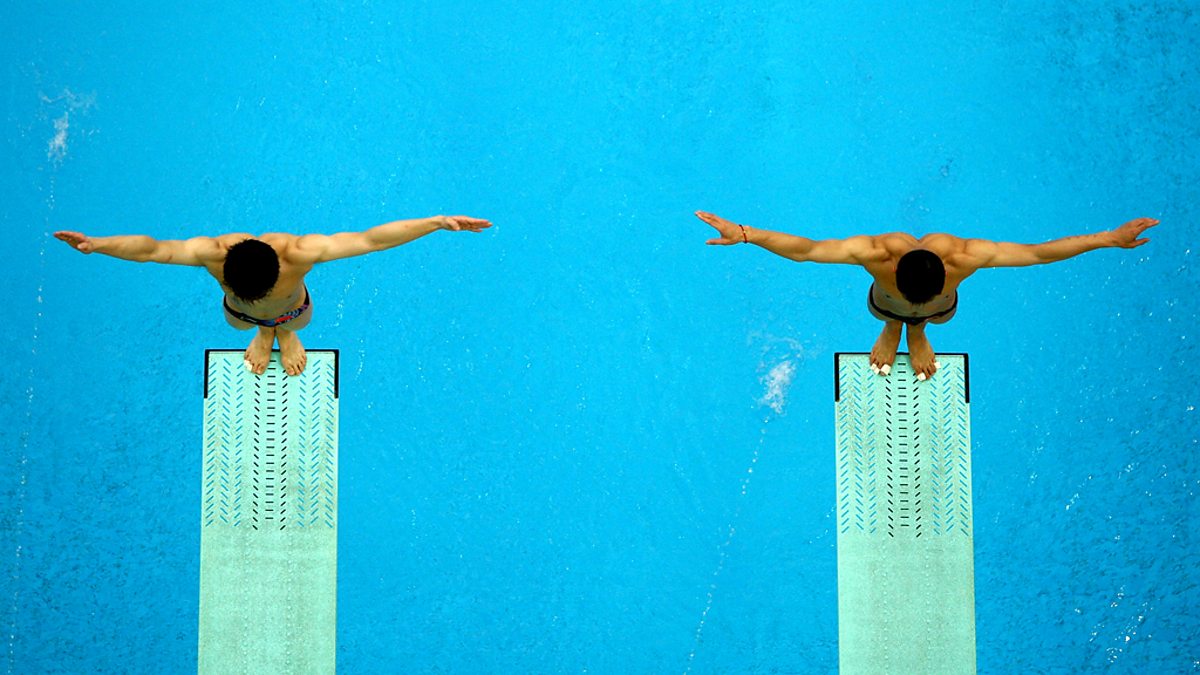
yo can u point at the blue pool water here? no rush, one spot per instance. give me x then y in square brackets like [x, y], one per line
[547, 430]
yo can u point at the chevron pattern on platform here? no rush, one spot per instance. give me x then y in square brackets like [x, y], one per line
[269, 448]
[903, 449]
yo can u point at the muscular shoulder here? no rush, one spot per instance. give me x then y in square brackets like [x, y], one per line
[954, 251]
[286, 245]
[292, 248]
[226, 241]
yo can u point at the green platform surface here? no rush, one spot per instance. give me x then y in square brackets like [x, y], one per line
[268, 542]
[906, 579]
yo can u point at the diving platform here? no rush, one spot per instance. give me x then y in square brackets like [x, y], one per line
[905, 542]
[268, 522]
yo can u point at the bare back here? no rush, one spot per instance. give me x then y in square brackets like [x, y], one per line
[288, 292]
[889, 248]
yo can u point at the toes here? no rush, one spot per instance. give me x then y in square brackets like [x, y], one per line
[927, 372]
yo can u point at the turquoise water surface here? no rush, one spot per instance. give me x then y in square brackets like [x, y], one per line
[583, 441]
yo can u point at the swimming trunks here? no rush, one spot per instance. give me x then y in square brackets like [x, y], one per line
[271, 323]
[910, 320]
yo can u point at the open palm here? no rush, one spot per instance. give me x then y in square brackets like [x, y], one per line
[1127, 234]
[78, 241]
[459, 223]
[731, 233]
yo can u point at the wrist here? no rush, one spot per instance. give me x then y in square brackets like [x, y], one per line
[134, 247]
[745, 232]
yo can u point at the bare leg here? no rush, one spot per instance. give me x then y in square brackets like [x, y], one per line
[883, 355]
[258, 354]
[291, 351]
[920, 352]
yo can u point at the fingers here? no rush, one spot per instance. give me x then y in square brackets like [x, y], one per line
[459, 223]
[75, 240]
[710, 218]
[726, 228]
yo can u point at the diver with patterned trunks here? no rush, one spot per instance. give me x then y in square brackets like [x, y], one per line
[916, 280]
[263, 278]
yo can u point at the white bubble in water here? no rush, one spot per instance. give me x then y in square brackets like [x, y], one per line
[57, 148]
[777, 382]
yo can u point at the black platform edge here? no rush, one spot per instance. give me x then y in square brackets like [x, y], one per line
[837, 377]
[337, 365]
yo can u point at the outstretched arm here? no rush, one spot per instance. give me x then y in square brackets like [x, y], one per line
[319, 248]
[857, 250]
[984, 253]
[140, 248]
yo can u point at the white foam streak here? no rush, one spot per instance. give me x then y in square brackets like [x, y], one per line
[777, 383]
[57, 149]
[68, 101]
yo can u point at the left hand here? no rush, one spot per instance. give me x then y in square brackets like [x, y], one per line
[1126, 236]
[459, 223]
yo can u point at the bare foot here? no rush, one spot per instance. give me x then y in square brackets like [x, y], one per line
[883, 355]
[258, 354]
[920, 354]
[292, 352]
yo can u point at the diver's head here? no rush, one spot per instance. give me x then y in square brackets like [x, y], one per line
[920, 276]
[251, 269]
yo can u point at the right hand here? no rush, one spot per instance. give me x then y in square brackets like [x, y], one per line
[78, 241]
[1126, 236]
[731, 233]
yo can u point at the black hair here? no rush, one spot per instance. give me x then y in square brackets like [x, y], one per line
[251, 269]
[920, 276]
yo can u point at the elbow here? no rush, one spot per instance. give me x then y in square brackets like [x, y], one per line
[1041, 255]
[371, 244]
